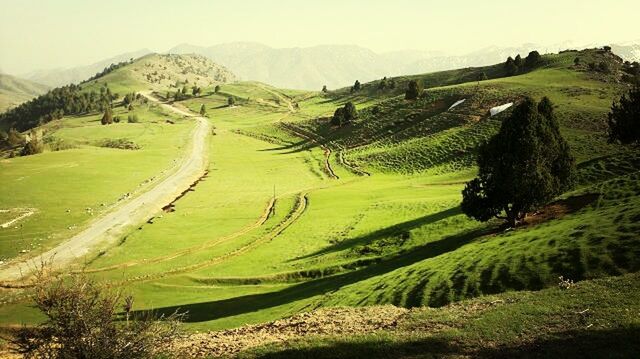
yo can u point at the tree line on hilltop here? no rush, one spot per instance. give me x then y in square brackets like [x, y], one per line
[61, 101]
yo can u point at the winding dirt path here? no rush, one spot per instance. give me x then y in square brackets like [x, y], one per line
[137, 210]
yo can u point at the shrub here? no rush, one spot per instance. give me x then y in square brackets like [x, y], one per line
[344, 115]
[382, 84]
[57, 144]
[107, 117]
[133, 118]
[120, 143]
[413, 90]
[604, 67]
[14, 138]
[356, 86]
[82, 322]
[231, 101]
[338, 117]
[34, 146]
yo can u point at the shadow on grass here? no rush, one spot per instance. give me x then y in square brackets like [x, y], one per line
[293, 147]
[613, 343]
[206, 311]
[395, 230]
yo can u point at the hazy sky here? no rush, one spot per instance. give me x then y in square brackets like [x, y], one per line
[36, 34]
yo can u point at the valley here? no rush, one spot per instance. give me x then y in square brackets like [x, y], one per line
[244, 204]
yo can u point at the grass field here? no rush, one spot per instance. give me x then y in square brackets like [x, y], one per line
[295, 215]
[68, 187]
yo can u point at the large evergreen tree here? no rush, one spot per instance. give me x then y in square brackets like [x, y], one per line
[624, 118]
[521, 168]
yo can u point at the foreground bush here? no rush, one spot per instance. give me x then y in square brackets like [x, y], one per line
[83, 322]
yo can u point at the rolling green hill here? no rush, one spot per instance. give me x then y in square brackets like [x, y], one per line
[14, 91]
[157, 71]
[295, 214]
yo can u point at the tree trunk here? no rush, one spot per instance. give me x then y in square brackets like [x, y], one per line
[512, 217]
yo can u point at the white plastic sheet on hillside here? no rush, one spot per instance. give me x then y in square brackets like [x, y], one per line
[496, 110]
[457, 103]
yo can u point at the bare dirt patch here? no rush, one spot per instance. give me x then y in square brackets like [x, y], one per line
[560, 208]
[334, 321]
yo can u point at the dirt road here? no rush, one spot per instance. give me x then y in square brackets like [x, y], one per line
[137, 210]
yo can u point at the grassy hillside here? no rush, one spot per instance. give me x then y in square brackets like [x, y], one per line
[590, 319]
[14, 91]
[157, 71]
[81, 175]
[295, 214]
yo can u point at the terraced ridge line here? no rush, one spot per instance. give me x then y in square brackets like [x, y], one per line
[263, 218]
[292, 217]
[351, 167]
[326, 150]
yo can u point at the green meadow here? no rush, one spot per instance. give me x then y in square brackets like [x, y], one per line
[79, 178]
[294, 214]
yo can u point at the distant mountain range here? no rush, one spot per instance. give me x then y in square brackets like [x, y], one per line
[336, 66]
[60, 77]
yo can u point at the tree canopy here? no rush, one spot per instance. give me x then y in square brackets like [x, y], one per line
[55, 104]
[107, 117]
[624, 118]
[344, 115]
[510, 66]
[522, 167]
[413, 90]
[356, 86]
[533, 59]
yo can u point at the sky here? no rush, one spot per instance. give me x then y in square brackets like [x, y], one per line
[45, 34]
